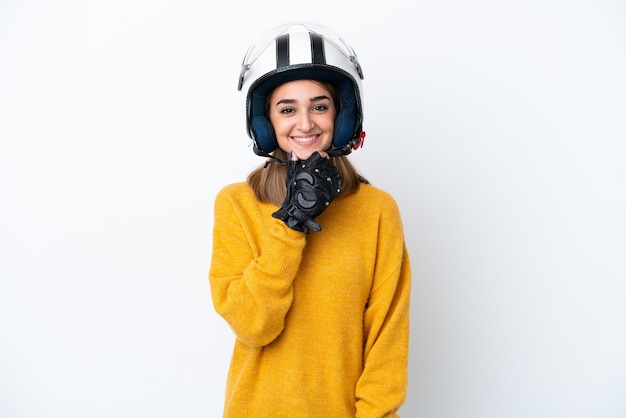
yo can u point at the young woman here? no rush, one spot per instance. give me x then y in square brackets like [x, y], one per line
[309, 264]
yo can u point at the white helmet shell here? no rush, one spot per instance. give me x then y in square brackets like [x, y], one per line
[294, 52]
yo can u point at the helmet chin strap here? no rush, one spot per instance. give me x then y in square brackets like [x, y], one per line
[338, 152]
[351, 145]
[271, 158]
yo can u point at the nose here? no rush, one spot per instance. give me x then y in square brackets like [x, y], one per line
[305, 121]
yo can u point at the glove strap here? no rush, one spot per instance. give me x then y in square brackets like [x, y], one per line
[293, 211]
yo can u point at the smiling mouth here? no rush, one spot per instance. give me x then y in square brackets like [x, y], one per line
[304, 140]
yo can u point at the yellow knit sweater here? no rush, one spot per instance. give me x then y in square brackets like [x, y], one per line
[321, 319]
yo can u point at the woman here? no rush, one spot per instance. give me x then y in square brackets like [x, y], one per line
[309, 265]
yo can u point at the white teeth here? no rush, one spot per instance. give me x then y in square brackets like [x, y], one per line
[304, 140]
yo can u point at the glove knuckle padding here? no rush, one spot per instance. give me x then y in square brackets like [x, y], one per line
[311, 185]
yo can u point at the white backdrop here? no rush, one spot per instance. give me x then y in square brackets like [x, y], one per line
[499, 127]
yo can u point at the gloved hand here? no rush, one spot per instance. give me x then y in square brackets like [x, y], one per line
[311, 185]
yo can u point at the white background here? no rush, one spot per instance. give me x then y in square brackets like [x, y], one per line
[499, 127]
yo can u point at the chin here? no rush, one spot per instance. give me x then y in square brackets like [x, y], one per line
[307, 153]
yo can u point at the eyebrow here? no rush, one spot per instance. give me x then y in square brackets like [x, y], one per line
[311, 100]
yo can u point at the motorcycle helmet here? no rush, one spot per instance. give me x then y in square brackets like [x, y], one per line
[302, 51]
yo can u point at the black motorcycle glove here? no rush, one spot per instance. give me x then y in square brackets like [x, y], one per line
[311, 185]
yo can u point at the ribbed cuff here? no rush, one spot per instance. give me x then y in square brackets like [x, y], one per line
[283, 252]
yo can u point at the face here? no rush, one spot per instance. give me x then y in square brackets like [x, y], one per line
[302, 113]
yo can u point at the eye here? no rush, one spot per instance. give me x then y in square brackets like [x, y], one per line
[287, 110]
[320, 108]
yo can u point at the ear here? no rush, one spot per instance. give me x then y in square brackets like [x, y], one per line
[263, 133]
[349, 118]
[345, 124]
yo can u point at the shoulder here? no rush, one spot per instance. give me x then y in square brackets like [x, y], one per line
[373, 192]
[234, 195]
[234, 189]
[370, 205]
[233, 192]
[375, 198]
[237, 201]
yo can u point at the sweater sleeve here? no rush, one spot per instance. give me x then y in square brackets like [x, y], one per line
[251, 287]
[381, 388]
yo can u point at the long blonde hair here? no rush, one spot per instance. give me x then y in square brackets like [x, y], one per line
[268, 180]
